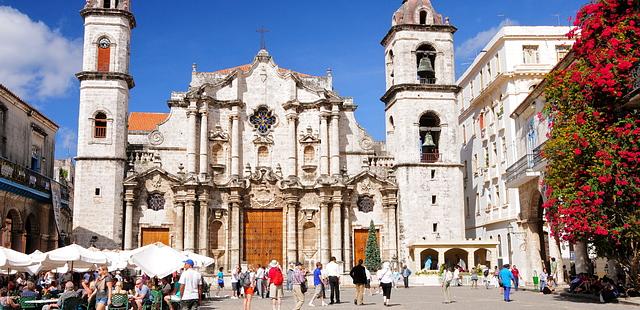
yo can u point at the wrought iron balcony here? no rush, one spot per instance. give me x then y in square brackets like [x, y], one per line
[430, 157]
[521, 171]
[26, 182]
[430, 81]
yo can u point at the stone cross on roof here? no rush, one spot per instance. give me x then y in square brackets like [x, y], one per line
[262, 31]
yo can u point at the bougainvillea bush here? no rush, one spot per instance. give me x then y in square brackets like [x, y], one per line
[593, 152]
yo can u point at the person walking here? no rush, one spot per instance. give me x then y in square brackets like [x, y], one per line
[220, 280]
[516, 276]
[190, 287]
[368, 285]
[385, 276]
[260, 281]
[456, 276]
[299, 285]
[359, 275]
[318, 284]
[485, 274]
[334, 280]
[275, 284]
[249, 285]
[290, 278]
[102, 287]
[447, 278]
[406, 272]
[506, 276]
[235, 274]
[474, 278]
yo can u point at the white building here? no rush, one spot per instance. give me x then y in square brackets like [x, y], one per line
[497, 82]
[258, 162]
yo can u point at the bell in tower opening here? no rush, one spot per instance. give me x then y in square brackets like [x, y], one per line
[426, 56]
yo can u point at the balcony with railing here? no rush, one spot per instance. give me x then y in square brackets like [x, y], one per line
[539, 162]
[26, 182]
[521, 172]
[430, 158]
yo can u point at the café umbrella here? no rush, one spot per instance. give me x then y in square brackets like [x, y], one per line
[11, 260]
[158, 260]
[200, 260]
[75, 256]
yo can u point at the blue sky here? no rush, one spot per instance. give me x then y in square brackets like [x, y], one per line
[45, 39]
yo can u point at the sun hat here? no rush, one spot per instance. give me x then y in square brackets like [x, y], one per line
[273, 263]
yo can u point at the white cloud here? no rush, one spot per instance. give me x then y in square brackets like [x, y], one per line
[36, 62]
[469, 48]
[66, 140]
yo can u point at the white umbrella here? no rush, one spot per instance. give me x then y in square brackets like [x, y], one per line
[200, 260]
[74, 255]
[10, 259]
[158, 260]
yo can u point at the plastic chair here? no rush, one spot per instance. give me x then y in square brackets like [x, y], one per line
[25, 305]
[119, 302]
[156, 301]
[72, 303]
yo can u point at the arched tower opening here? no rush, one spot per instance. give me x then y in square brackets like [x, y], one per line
[430, 137]
[426, 61]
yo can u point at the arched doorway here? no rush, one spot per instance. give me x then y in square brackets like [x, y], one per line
[454, 257]
[12, 231]
[481, 256]
[543, 237]
[429, 254]
[32, 230]
[216, 235]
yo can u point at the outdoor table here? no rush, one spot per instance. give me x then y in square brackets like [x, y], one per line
[42, 301]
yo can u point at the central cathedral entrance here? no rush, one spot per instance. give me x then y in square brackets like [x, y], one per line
[262, 236]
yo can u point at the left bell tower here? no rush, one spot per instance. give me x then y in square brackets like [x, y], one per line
[102, 125]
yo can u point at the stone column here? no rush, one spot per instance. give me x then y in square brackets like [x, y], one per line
[179, 241]
[128, 220]
[346, 239]
[335, 140]
[391, 228]
[203, 231]
[471, 262]
[204, 142]
[582, 258]
[235, 143]
[324, 233]
[324, 145]
[191, 137]
[293, 148]
[440, 258]
[189, 226]
[292, 249]
[336, 230]
[234, 230]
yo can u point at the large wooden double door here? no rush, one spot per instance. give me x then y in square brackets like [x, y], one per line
[360, 237]
[262, 240]
[153, 235]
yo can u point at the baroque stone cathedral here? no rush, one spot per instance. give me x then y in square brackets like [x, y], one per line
[259, 162]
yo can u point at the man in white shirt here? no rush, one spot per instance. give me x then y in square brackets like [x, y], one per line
[190, 287]
[260, 281]
[333, 271]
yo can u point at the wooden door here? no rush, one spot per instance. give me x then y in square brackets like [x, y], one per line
[262, 240]
[153, 235]
[360, 237]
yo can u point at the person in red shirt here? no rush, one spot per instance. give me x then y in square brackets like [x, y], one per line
[516, 276]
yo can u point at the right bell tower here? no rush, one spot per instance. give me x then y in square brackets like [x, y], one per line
[421, 125]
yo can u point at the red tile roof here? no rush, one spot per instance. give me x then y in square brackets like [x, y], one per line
[145, 121]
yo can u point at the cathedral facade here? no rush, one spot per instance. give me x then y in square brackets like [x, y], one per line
[259, 162]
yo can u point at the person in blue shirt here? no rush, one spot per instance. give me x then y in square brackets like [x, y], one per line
[319, 280]
[506, 276]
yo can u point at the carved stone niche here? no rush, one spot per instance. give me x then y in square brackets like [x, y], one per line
[366, 203]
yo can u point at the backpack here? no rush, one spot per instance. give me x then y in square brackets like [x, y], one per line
[486, 272]
[245, 279]
[276, 278]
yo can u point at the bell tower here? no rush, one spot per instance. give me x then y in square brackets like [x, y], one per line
[421, 124]
[102, 126]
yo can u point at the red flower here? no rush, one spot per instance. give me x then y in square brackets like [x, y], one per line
[577, 151]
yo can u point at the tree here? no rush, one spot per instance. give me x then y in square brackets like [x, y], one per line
[372, 250]
[593, 175]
